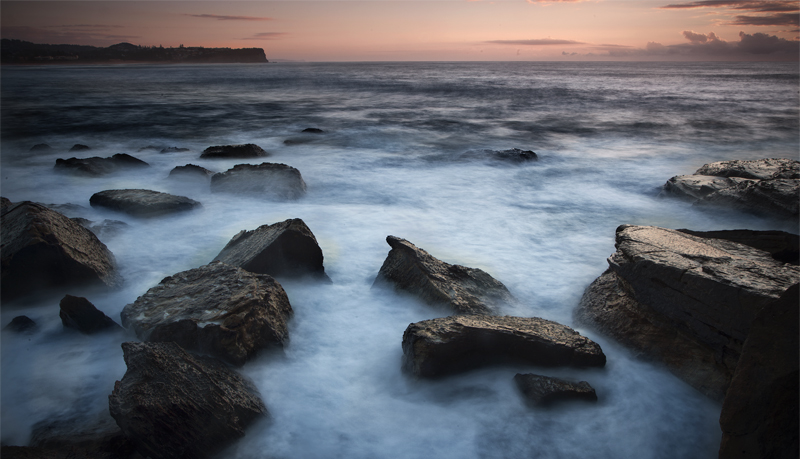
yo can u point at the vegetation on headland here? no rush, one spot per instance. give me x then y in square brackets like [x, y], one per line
[23, 52]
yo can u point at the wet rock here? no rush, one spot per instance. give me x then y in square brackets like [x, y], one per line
[313, 131]
[42, 249]
[438, 347]
[248, 150]
[459, 288]
[142, 203]
[97, 166]
[41, 147]
[173, 405]
[216, 309]
[268, 180]
[95, 437]
[173, 150]
[191, 171]
[760, 413]
[79, 147]
[515, 155]
[80, 314]
[288, 248]
[21, 324]
[781, 245]
[684, 300]
[544, 390]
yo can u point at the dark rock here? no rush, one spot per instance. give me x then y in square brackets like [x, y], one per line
[684, 300]
[78, 313]
[31, 452]
[95, 437]
[142, 203]
[173, 405]
[5, 202]
[150, 147]
[272, 181]
[781, 245]
[105, 229]
[42, 249]
[463, 290]
[21, 324]
[41, 147]
[438, 347]
[762, 169]
[760, 413]
[217, 309]
[313, 131]
[191, 171]
[515, 155]
[288, 248]
[126, 160]
[173, 150]
[248, 150]
[544, 390]
[79, 147]
[97, 166]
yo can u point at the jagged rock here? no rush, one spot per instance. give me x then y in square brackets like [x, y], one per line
[21, 324]
[142, 203]
[781, 245]
[96, 166]
[42, 249]
[41, 147]
[288, 248]
[448, 345]
[760, 413]
[463, 290]
[544, 390]
[95, 437]
[217, 309]
[684, 300]
[191, 171]
[173, 150]
[248, 150]
[268, 180]
[80, 314]
[768, 187]
[173, 405]
[79, 147]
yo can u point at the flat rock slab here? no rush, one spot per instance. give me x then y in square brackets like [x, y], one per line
[684, 300]
[42, 250]
[545, 390]
[267, 180]
[459, 288]
[80, 314]
[288, 248]
[142, 203]
[439, 347]
[97, 166]
[248, 150]
[217, 309]
[783, 246]
[173, 405]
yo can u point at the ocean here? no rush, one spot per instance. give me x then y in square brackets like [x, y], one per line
[396, 158]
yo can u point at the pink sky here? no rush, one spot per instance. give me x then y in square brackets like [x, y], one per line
[445, 30]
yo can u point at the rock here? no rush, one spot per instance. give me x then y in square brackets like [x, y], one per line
[191, 171]
[41, 147]
[5, 202]
[459, 288]
[248, 150]
[313, 131]
[30, 452]
[288, 248]
[97, 166]
[42, 249]
[79, 147]
[79, 314]
[21, 324]
[142, 203]
[544, 390]
[95, 437]
[760, 413]
[173, 150]
[105, 229]
[684, 300]
[438, 347]
[781, 245]
[779, 198]
[216, 309]
[272, 181]
[173, 405]
[762, 169]
[514, 155]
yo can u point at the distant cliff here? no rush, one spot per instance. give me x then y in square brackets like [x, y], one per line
[23, 52]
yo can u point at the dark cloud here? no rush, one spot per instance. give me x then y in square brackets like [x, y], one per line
[86, 26]
[266, 36]
[95, 35]
[695, 37]
[755, 6]
[536, 42]
[779, 19]
[757, 46]
[219, 17]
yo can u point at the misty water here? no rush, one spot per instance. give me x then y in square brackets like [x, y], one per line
[393, 161]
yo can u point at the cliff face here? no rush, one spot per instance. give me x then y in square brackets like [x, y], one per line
[23, 52]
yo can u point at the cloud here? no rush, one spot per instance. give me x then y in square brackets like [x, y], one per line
[219, 17]
[95, 35]
[757, 46]
[536, 42]
[778, 19]
[266, 36]
[749, 5]
[556, 1]
[695, 37]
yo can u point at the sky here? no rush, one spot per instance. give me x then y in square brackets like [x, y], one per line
[421, 30]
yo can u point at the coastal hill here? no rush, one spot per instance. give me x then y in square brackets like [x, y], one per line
[23, 52]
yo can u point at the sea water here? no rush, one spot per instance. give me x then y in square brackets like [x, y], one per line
[393, 161]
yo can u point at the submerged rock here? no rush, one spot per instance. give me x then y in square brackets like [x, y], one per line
[191, 171]
[80, 314]
[217, 309]
[173, 150]
[684, 300]
[142, 203]
[463, 290]
[41, 147]
[248, 150]
[97, 166]
[173, 405]
[438, 347]
[79, 147]
[21, 324]
[544, 390]
[268, 180]
[313, 131]
[42, 250]
[288, 248]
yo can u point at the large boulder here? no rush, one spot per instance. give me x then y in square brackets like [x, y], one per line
[217, 309]
[268, 180]
[42, 249]
[97, 166]
[760, 413]
[768, 187]
[288, 249]
[439, 347]
[142, 203]
[248, 150]
[173, 405]
[684, 300]
[461, 289]
[80, 314]
[545, 390]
